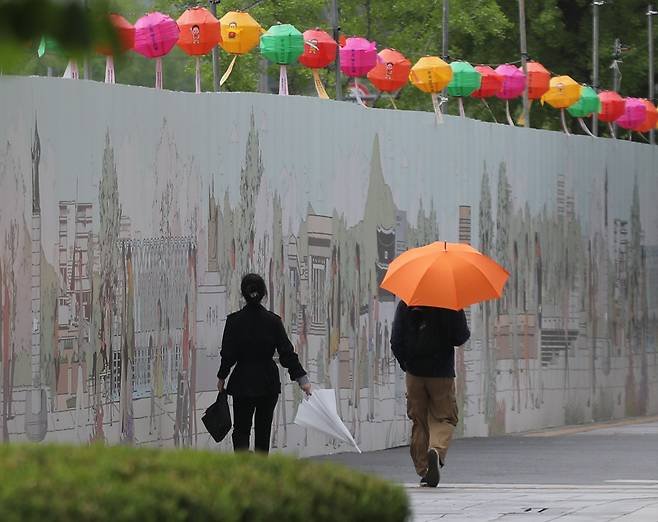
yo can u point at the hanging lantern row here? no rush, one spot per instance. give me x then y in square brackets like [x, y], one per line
[197, 32]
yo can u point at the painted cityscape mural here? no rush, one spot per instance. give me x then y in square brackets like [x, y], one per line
[128, 217]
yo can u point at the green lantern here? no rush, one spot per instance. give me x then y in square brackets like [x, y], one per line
[282, 44]
[465, 79]
[588, 103]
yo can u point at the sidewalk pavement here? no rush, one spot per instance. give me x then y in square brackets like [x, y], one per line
[595, 473]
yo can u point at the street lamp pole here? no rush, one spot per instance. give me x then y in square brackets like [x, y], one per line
[650, 14]
[336, 35]
[524, 62]
[215, 52]
[595, 58]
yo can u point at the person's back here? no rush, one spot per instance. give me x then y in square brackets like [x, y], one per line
[423, 340]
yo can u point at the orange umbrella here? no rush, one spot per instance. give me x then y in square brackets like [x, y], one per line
[445, 275]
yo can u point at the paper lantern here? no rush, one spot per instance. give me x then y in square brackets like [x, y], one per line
[357, 57]
[155, 35]
[538, 80]
[199, 33]
[635, 112]
[125, 34]
[612, 106]
[391, 72]
[282, 44]
[650, 118]
[587, 104]
[49, 48]
[490, 83]
[563, 93]
[465, 79]
[319, 51]
[513, 82]
[240, 32]
[431, 74]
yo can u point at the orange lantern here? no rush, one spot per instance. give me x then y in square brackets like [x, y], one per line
[650, 119]
[199, 33]
[538, 80]
[431, 74]
[125, 34]
[240, 34]
[391, 72]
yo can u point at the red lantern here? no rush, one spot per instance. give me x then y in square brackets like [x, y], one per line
[319, 49]
[612, 106]
[199, 31]
[125, 34]
[650, 119]
[491, 82]
[391, 72]
[538, 80]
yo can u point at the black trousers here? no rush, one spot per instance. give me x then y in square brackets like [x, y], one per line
[244, 410]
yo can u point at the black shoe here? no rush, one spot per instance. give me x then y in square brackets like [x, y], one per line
[433, 474]
[423, 482]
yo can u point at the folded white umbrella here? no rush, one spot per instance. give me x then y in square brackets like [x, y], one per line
[319, 413]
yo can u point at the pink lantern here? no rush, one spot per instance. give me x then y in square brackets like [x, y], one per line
[513, 82]
[634, 114]
[357, 57]
[155, 35]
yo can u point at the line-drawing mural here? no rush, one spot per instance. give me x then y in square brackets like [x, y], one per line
[123, 244]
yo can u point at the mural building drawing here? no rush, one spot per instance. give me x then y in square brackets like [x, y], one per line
[122, 247]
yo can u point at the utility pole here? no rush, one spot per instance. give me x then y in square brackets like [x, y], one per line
[650, 14]
[595, 59]
[524, 63]
[336, 35]
[616, 74]
[444, 44]
[215, 52]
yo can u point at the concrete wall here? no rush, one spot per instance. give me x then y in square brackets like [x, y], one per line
[127, 217]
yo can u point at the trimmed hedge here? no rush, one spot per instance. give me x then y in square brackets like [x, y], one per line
[58, 483]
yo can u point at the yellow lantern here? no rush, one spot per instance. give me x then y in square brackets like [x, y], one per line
[564, 91]
[431, 74]
[240, 34]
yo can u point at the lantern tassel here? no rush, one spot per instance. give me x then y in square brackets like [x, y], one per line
[510, 121]
[229, 70]
[72, 71]
[521, 119]
[357, 92]
[564, 123]
[319, 86]
[109, 70]
[489, 109]
[283, 81]
[158, 73]
[462, 113]
[585, 128]
[392, 100]
[197, 75]
[611, 128]
[437, 108]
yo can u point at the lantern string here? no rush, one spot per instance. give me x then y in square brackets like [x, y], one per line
[436, 102]
[357, 92]
[197, 75]
[158, 73]
[392, 100]
[611, 128]
[109, 70]
[319, 86]
[564, 123]
[489, 109]
[462, 113]
[510, 121]
[229, 70]
[283, 81]
[585, 128]
[72, 71]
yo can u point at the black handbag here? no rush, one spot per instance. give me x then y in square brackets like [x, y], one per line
[217, 418]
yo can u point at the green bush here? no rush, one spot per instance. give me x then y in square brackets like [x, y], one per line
[122, 484]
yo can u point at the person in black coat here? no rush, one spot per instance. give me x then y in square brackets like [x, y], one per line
[251, 336]
[423, 340]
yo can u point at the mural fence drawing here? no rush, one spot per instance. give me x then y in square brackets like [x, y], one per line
[128, 217]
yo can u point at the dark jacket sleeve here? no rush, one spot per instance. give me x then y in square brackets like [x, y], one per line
[398, 334]
[228, 352]
[287, 356]
[460, 333]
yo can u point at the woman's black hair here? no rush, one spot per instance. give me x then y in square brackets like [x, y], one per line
[253, 288]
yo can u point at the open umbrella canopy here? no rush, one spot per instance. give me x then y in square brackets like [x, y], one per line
[445, 275]
[319, 413]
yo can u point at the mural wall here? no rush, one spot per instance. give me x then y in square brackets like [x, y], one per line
[128, 216]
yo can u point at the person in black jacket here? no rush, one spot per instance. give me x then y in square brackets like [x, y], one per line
[423, 340]
[251, 336]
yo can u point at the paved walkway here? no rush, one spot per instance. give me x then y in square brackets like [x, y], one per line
[597, 473]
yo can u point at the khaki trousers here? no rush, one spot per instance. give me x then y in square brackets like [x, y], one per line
[432, 408]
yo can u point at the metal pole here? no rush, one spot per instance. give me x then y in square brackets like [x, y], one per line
[85, 63]
[595, 59]
[336, 35]
[215, 53]
[444, 43]
[616, 80]
[650, 15]
[524, 62]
